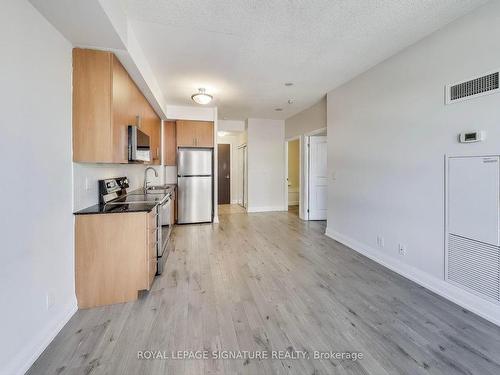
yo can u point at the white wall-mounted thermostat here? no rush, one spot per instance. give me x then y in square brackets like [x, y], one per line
[472, 136]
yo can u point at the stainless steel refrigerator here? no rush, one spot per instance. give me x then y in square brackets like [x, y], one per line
[195, 185]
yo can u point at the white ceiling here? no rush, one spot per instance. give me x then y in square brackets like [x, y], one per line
[243, 51]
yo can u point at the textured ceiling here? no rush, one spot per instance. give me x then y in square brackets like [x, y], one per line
[244, 51]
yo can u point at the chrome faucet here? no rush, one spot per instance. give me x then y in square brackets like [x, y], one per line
[145, 186]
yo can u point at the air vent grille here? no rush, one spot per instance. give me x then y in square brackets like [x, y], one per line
[475, 266]
[484, 85]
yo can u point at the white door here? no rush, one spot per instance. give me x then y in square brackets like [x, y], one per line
[473, 198]
[318, 178]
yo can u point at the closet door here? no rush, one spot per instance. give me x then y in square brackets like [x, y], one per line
[473, 198]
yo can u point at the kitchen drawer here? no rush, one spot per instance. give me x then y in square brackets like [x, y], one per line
[152, 220]
[152, 232]
[152, 270]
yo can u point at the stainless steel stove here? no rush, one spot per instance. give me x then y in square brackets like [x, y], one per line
[113, 192]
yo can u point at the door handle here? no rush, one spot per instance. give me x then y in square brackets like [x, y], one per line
[227, 176]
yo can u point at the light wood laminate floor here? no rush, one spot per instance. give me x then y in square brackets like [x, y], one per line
[225, 209]
[269, 281]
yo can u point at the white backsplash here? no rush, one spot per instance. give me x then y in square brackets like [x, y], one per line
[85, 177]
[170, 175]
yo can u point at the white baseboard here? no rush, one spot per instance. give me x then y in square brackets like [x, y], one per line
[29, 353]
[266, 209]
[293, 203]
[469, 301]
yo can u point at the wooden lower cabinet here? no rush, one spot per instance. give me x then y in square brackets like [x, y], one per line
[115, 257]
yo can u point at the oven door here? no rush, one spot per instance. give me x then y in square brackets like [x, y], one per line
[164, 230]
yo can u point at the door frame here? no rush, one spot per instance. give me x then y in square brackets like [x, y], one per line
[285, 193]
[230, 164]
[303, 171]
[308, 176]
[244, 176]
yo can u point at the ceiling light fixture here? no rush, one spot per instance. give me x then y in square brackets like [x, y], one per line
[201, 97]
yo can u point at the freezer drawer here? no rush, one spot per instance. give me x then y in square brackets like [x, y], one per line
[195, 199]
[194, 162]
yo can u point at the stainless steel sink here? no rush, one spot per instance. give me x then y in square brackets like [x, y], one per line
[161, 187]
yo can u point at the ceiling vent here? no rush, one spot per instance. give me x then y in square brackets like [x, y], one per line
[474, 88]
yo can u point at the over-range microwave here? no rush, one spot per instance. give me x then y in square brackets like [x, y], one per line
[139, 147]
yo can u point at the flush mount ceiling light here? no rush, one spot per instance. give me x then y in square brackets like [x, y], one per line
[201, 97]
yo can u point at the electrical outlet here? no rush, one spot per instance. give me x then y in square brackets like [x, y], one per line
[380, 241]
[402, 249]
[50, 300]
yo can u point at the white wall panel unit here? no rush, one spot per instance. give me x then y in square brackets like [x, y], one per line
[475, 266]
[473, 198]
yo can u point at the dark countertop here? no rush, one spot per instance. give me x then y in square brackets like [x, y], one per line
[116, 208]
[152, 197]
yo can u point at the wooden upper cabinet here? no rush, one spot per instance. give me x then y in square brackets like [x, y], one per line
[169, 143]
[185, 134]
[123, 113]
[204, 134]
[154, 131]
[195, 133]
[92, 87]
[105, 102]
[150, 124]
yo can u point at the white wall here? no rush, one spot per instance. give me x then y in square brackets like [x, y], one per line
[232, 125]
[388, 132]
[36, 217]
[310, 119]
[199, 113]
[266, 165]
[86, 176]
